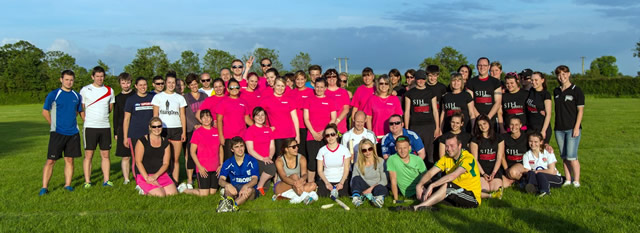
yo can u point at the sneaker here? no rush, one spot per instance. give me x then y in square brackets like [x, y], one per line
[566, 183]
[542, 194]
[189, 186]
[576, 184]
[233, 204]
[260, 191]
[369, 196]
[223, 206]
[378, 201]
[497, 194]
[43, 191]
[356, 200]
[182, 187]
[68, 188]
[531, 188]
[86, 185]
[107, 184]
[140, 191]
[308, 200]
[126, 182]
[221, 192]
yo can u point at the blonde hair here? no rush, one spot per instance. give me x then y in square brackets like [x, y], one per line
[361, 162]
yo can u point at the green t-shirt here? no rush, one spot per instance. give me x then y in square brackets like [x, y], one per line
[407, 174]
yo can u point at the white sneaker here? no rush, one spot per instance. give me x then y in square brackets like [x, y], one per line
[576, 184]
[140, 191]
[182, 187]
[378, 201]
[189, 186]
[566, 183]
[126, 182]
[356, 200]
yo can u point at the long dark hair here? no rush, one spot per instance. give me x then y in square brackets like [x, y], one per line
[259, 109]
[478, 133]
[285, 144]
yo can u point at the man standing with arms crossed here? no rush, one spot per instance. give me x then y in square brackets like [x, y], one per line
[60, 109]
[97, 100]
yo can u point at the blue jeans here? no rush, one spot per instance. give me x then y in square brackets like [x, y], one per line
[568, 144]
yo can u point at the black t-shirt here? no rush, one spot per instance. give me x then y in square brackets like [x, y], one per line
[535, 106]
[567, 103]
[438, 90]
[514, 148]
[420, 106]
[513, 106]
[141, 111]
[152, 159]
[118, 111]
[464, 137]
[483, 93]
[487, 152]
[400, 90]
[452, 103]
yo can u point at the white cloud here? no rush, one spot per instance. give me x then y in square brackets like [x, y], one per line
[8, 41]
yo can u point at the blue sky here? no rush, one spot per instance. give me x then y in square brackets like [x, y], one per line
[537, 34]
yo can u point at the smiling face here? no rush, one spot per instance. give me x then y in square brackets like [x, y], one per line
[158, 85]
[155, 128]
[225, 75]
[368, 79]
[537, 81]
[300, 81]
[271, 78]
[394, 79]
[193, 86]
[218, 87]
[383, 86]
[237, 68]
[125, 85]
[265, 64]
[260, 118]
[332, 78]
[453, 147]
[314, 74]
[563, 77]
[535, 143]
[433, 79]
[238, 149]
[512, 85]
[456, 124]
[98, 79]
[496, 72]
[279, 87]
[141, 87]
[292, 148]
[171, 85]
[320, 89]
[403, 147]
[331, 136]
[67, 82]
[206, 120]
[456, 84]
[483, 68]
[515, 125]
[234, 89]
[465, 72]
[484, 126]
[205, 79]
[252, 82]
[395, 125]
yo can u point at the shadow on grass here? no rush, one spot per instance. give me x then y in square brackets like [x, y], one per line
[15, 137]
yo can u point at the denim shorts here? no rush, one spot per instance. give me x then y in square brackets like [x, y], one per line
[568, 144]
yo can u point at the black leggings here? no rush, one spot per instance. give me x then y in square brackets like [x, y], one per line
[358, 185]
[544, 181]
[324, 192]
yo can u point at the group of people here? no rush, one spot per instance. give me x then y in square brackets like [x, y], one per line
[309, 136]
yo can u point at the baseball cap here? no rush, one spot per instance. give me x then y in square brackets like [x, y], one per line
[420, 74]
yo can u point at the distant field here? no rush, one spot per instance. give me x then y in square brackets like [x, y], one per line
[608, 201]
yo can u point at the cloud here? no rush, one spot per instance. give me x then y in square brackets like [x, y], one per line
[8, 41]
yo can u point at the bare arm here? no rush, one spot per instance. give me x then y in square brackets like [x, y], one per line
[394, 184]
[497, 102]
[125, 128]
[547, 118]
[296, 124]
[576, 128]
[436, 117]
[47, 116]
[220, 131]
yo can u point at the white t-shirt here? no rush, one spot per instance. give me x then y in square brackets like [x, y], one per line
[356, 138]
[208, 92]
[333, 162]
[169, 108]
[530, 162]
[96, 101]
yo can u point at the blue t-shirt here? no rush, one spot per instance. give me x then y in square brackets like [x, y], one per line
[389, 143]
[141, 111]
[308, 84]
[63, 106]
[240, 175]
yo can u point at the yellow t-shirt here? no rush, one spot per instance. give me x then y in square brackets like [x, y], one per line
[469, 180]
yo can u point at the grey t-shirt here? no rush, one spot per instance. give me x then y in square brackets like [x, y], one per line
[193, 105]
[372, 176]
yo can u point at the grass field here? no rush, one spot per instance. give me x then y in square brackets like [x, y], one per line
[608, 201]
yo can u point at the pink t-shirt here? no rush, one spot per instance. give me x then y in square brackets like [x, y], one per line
[361, 96]
[233, 112]
[341, 98]
[208, 147]
[380, 110]
[266, 91]
[279, 113]
[302, 97]
[319, 113]
[262, 82]
[261, 138]
[210, 103]
[252, 98]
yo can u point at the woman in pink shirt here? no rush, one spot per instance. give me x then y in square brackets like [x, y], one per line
[232, 116]
[261, 145]
[319, 111]
[363, 92]
[271, 76]
[211, 102]
[341, 98]
[380, 107]
[282, 109]
[206, 152]
[251, 93]
[301, 93]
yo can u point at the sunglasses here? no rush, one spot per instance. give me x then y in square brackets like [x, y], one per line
[344, 81]
[156, 126]
[237, 67]
[159, 83]
[234, 87]
[383, 84]
[395, 123]
[370, 149]
[330, 135]
[265, 65]
[205, 80]
[409, 77]
[294, 146]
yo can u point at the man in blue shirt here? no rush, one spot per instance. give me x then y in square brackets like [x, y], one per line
[239, 175]
[60, 109]
[396, 128]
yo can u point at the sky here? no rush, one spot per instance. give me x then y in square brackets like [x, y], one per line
[536, 34]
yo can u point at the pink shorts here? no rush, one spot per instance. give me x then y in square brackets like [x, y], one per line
[164, 180]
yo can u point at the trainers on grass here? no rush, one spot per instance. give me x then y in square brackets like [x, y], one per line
[107, 183]
[576, 184]
[86, 185]
[497, 194]
[234, 205]
[68, 188]
[221, 192]
[566, 183]
[356, 200]
[378, 201]
[126, 182]
[43, 191]
[308, 200]
[140, 191]
[182, 187]
[260, 191]
[189, 186]
[223, 206]
[542, 194]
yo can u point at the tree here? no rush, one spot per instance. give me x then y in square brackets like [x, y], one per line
[22, 68]
[302, 61]
[189, 62]
[214, 60]
[57, 61]
[148, 62]
[605, 66]
[448, 59]
[637, 53]
[259, 54]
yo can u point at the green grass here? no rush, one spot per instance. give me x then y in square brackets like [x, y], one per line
[608, 201]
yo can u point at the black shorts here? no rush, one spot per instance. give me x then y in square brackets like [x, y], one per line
[59, 144]
[187, 151]
[97, 136]
[460, 197]
[122, 151]
[172, 134]
[211, 182]
[267, 168]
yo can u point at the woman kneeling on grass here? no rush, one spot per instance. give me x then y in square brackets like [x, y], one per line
[488, 150]
[152, 160]
[541, 167]
[292, 171]
[515, 145]
[369, 179]
[206, 152]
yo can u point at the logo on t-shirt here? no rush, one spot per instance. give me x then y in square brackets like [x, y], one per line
[568, 98]
[167, 111]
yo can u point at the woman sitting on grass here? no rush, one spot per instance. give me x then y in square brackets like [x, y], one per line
[333, 164]
[515, 145]
[152, 160]
[261, 145]
[292, 171]
[206, 152]
[488, 150]
[369, 178]
[541, 167]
